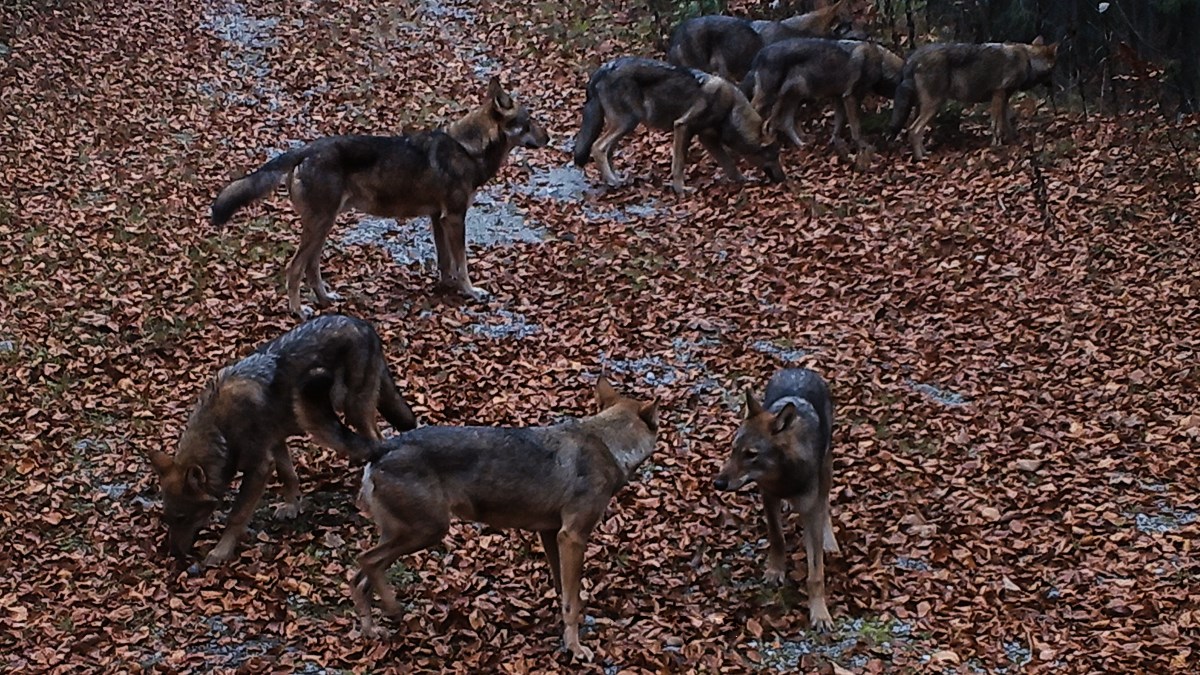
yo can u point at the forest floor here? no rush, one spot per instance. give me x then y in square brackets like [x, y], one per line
[1012, 336]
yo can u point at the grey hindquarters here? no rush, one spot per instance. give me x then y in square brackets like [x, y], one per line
[808, 385]
[721, 45]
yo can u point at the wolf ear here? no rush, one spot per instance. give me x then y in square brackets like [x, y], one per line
[649, 414]
[784, 419]
[1038, 41]
[753, 407]
[195, 478]
[161, 462]
[501, 101]
[606, 396]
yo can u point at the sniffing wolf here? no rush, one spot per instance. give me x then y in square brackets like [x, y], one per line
[970, 73]
[789, 72]
[248, 412]
[555, 480]
[726, 45]
[629, 91]
[784, 448]
[432, 173]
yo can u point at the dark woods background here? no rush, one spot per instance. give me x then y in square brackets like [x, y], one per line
[1113, 56]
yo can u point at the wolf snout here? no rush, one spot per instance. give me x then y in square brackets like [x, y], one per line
[721, 483]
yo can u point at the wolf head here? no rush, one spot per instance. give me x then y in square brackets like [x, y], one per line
[1041, 62]
[764, 442]
[499, 117]
[187, 503]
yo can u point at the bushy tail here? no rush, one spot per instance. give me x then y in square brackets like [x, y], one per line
[314, 409]
[903, 105]
[254, 186]
[593, 122]
[392, 405]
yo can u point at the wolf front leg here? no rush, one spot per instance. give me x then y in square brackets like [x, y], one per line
[777, 553]
[571, 546]
[452, 227]
[681, 138]
[254, 483]
[815, 522]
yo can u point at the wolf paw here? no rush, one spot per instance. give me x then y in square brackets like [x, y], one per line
[304, 312]
[820, 619]
[287, 511]
[776, 575]
[582, 653]
[219, 555]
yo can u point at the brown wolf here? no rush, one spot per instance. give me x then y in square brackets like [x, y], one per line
[970, 73]
[791, 71]
[629, 91]
[726, 45]
[555, 480]
[785, 449]
[248, 412]
[433, 173]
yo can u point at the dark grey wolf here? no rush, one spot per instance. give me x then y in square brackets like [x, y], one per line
[432, 173]
[629, 91]
[726, 45]
[555, 480]
[785, 449]
[970, 73]
[789, 72]
[248, 412]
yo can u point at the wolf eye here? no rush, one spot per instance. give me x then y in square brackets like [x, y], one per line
[751, 454]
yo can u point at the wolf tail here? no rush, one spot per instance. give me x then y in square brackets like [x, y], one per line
[903, 105]
[254, 186]
[392, 405]
[593, 122]
[314, 409]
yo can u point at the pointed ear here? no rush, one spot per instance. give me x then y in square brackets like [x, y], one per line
[605, 394]
[501, 101]
[1038, 41]
[195, 479]
[161, 462]
[753, 407]
[1053, 49]
[784, 419]
[649, 414]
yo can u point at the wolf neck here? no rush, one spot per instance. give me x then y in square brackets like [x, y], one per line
[628, 449]
[489, 153]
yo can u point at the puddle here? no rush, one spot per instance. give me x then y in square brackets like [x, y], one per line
[502, 324]
[938, 394]
[911, 564]
[490, 222]
[1165, 521]
[790, 355]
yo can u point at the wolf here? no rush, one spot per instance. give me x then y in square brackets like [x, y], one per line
[791, 71]
[248, 412]
[783, 446]
[556, 480]
[629, 91]
[431, 173]
[970, 73]
[726, 45]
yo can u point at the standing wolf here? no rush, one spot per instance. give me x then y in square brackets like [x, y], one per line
[783, 446]
[556, 480]
[726, 45]
[629, 91]
[432, 173]
[792, 71]
[248, 412]
[970, 73]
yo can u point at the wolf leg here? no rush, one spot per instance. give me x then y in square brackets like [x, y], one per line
[291, 483]
[326, 296]
[454, 236]
[397, 539]
[863, 149]
[777, 552]
[254, 483]
[718, 152]
[550, 545]
[814, 532]
[308, 254]
[571, 546]
[602, 151]
[928, 106]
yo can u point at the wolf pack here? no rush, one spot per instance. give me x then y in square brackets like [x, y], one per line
[735, 83]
